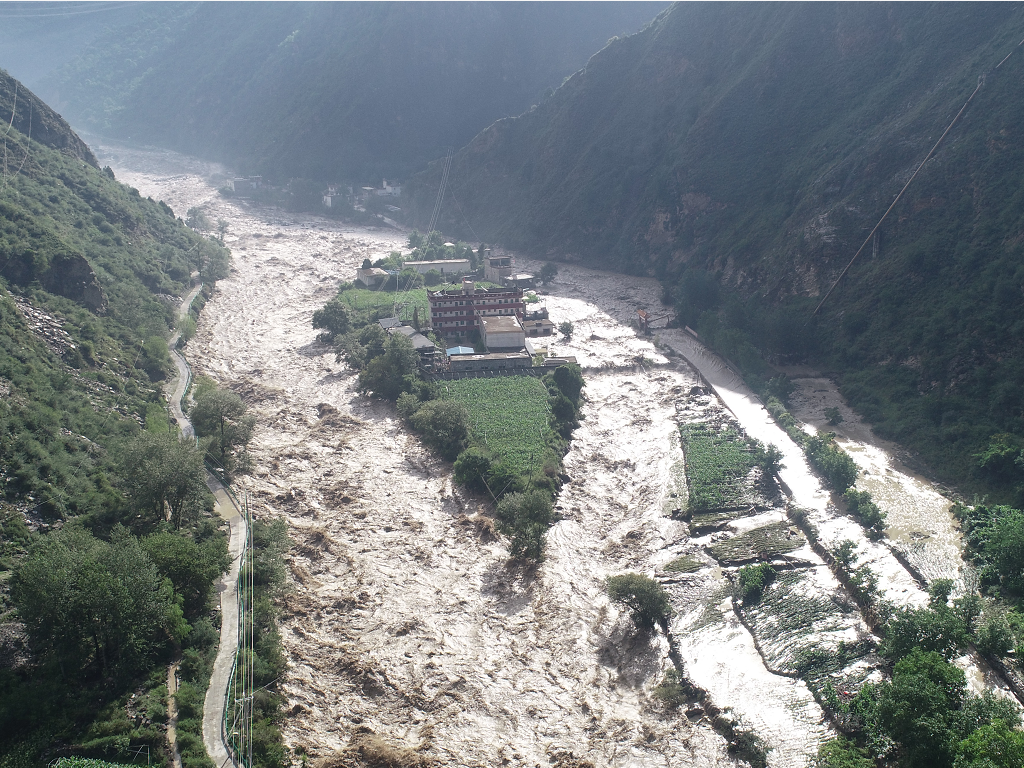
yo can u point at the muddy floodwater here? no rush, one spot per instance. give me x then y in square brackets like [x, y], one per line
[404, 621]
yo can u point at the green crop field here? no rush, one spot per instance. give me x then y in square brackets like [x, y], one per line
[405, 302]
[509, 417]
[717, 463]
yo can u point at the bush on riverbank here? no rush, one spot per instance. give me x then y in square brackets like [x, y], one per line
[646, 599]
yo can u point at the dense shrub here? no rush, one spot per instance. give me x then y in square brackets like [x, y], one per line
[753, 580]
[834, 464]
[864, 509]
[444, 424]
[646, 599]
[524, 518]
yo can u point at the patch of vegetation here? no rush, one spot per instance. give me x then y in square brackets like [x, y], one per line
[831, 462]
[684, 564]
[646, 599]
[717, 464]
[108, 552]
[510, 419]
[753, 579]
[861, 506]
[265, 658]
[995, 539]
[925, 717]
[762, 543]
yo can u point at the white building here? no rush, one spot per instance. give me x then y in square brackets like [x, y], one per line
[502, 333]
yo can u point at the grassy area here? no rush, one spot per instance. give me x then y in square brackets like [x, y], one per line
[717, 464]
[759, 543]
[509, 417]
[403, 303]
[685, 564]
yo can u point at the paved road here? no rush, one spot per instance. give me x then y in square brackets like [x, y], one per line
[216, 693]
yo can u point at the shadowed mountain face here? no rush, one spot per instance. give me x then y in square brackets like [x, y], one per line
[329, 91]
[744, 152]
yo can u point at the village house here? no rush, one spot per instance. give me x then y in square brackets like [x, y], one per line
[457, 312]
[371, 277]
[497, 267]
[444, 266]
[537, 328]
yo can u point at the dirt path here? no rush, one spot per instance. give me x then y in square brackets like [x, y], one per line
[224, 506]
[172, 712]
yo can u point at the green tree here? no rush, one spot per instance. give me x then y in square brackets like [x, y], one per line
[192, 567]
[222, 415]
[444, 424]
[566, 328]
[835, 465]
[769, 458]
[88, 602]
[163, 477]
[841, 753]
[156, 358]
[918, 709]
[392, 373]
[547, 273]
[196, 219]
[333, 319]
[569, 380]
[525, 518]
[994, 745]
[472, 468]
[938, 630]
[646, 599]
[1006, 547]
[861, 506]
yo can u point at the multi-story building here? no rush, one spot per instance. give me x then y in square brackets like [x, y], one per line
[456, 312]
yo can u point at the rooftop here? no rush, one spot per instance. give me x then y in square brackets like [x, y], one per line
[501, 324]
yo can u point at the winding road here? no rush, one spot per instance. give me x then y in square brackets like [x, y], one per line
[216, 694]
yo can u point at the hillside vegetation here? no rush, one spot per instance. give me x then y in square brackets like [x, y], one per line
[328, 91]
[107, 551]
[743, 153]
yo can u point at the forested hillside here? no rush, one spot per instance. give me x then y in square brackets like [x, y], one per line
[329, 91]
[97, 584]
[743, 153]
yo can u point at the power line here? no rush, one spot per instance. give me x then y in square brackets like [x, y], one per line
[981, 83]
[440, 190]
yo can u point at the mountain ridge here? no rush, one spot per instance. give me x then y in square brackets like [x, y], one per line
[742, 154]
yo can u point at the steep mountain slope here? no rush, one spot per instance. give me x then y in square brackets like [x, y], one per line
[83, 261]
[329, 90]
[753, 148]
[89, 274]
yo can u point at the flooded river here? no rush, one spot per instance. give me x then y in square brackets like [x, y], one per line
[405, 626]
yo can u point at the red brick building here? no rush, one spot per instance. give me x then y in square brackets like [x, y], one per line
[457, 312]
